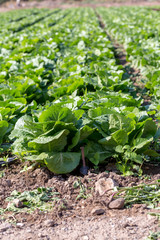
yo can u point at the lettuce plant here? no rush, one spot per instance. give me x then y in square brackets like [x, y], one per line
[59, 132]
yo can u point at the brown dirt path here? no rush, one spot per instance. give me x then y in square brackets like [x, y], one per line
[11, 5]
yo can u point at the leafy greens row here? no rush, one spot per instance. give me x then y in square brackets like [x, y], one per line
[63, 90]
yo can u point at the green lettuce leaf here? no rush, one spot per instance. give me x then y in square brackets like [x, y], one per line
[57, 113]
[62, 162]
[54, 143]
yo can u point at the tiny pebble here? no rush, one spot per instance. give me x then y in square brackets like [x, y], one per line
[49, 223]
[41, 235]
[18, 203]
[97, 211]
[85, 237]
[20, 225]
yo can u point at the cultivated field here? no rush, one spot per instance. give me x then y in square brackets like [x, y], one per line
[79, 123]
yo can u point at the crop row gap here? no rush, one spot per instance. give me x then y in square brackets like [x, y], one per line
[120, 56]
[36, 21]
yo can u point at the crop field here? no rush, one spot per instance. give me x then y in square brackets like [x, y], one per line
[79, 103]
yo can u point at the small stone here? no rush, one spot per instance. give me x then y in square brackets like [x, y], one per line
[49, 223]
[20, 225]
[105, 184]
[85, 237]
[17, 203]
[5, 226]
[97, 211]
[117, 203]
[66, 229]
[41, 235]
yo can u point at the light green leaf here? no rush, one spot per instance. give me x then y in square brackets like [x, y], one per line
[108, 142]
[119, 149]
[63, 162]
[81, 45]
[54, 143]
[94, 113]
[118, 121]
[96, 153]
[57, 113]
[142, 143]
[85, 132]
[120, 137]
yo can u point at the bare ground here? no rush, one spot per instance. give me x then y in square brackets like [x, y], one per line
[11, 5]
[72, 218]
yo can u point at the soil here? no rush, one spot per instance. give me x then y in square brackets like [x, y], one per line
[11, 5]
[72, 217]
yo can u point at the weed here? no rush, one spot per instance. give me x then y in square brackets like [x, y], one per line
[153, 236]
[40, 198]
[148, 194]
[2, 174]
[82, 189]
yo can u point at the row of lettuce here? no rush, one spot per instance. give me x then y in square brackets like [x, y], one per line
[61, 89]
[138, 29]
